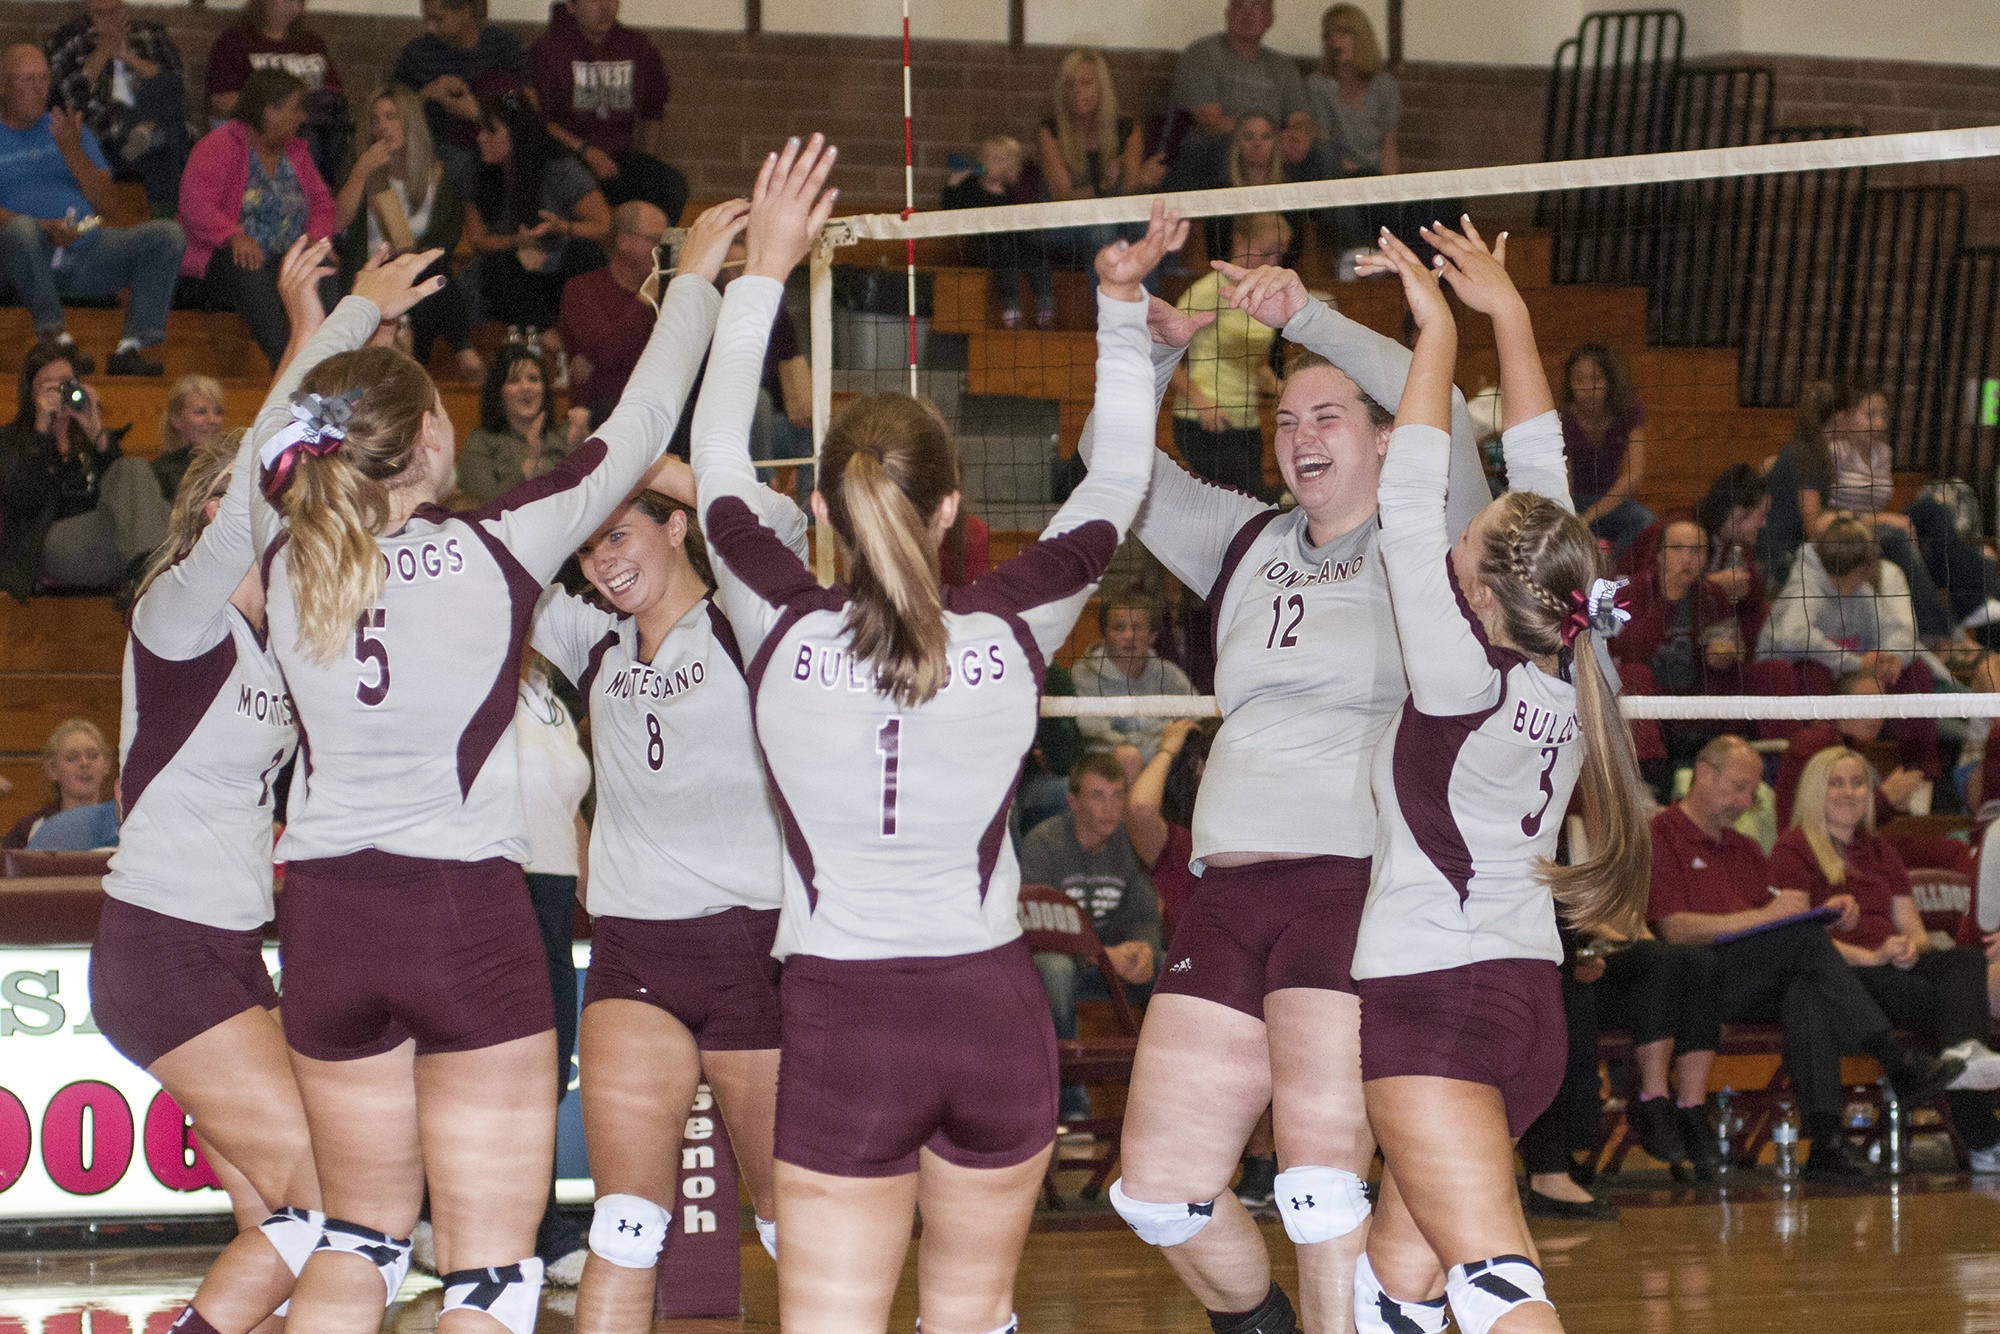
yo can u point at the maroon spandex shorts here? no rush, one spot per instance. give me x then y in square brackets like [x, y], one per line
[1498, 1022]
[157, 981]
[379, 949]
[715, 974]
[883, 1057]
[1252, 930]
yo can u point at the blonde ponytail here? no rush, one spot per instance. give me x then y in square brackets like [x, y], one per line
[336, 502]
[1610, 888]
[887, 464]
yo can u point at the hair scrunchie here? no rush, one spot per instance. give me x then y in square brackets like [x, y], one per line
[318, 425]
[1604, 609]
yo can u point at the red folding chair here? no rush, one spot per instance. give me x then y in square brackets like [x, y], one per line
[1052, 923]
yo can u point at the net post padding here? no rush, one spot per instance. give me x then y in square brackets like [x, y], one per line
[1731, 708]
[1877, 150]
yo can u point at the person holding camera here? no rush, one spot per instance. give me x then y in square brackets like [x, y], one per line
[74, 510]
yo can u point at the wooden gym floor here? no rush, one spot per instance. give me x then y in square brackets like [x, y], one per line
[1923, 1254]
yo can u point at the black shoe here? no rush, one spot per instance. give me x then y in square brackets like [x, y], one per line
[1658, 1129]
[1698, 1133]
[1919, 1078]
[79, 360]
[130, 361]
[1547, 1206]
[1834, 1159]
[1255, 1187]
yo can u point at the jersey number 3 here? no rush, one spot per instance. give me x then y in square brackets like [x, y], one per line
[366, 651]
[889, 745]
[1532, 824]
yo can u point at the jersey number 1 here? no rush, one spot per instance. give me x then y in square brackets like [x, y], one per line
[888, 744]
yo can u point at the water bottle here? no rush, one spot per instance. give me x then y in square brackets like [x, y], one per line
[1894, 1129]
[1725, 1131]
[1785, 1142]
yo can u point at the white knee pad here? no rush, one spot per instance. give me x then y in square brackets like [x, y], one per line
[1376, 1312]
[294, 1234]
[628, 1230]
[1160, 1224]
[1319, 1203]
[511, 1294]
[1011, 1327]
[1483, 1291]
[386, 1253]
[767, 1232]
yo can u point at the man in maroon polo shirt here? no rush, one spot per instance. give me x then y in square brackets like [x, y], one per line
[1710, 884]
[603, 320]
[603, 90]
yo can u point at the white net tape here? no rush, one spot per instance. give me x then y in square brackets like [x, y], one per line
[1879, 150]
[1733, 708]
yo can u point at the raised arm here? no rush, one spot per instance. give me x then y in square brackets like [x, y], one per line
[544, 520]
[1278, 297]
[755, 572]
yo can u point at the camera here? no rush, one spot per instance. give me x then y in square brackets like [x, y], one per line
[73, 396]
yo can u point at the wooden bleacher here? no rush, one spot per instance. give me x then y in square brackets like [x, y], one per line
[59, 658]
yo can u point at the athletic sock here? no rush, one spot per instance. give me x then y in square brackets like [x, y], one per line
[191, 1321]
[1273, 1316]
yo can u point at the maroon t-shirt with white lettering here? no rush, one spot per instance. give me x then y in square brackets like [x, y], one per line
[1695, 873]
[239, 49]
[598, 91]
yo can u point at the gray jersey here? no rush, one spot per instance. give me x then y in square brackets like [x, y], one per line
[685, 821]
[1308, 665]
[207, 726]
[408, 731]
[1476, 772]
[896, 817]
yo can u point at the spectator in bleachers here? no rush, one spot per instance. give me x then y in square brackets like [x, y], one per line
[124, 74]
[1710, 884]
[1219, 386]
[1840, 440]
[1604, 439]
[1088, 150]
[1159, 814]
[1944, 520]
[76, 762]
[1832, 851]
[1124, 663]
[537, 219]
[1223, 75]
[74, 510]
[1087, 854]
[519, 436]
[54, 184]
[274, 35]
[1892, 795]
[399, 192]
[1733, 514]
[603, 88]
[605, 316]
[1250, 155]
[252, 190]
[458, 65]
[193, 416]
[1846, 609]
[1354, 100]
[1044, 787]
[1008, 256]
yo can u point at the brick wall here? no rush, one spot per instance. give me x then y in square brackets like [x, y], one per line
[736, 96]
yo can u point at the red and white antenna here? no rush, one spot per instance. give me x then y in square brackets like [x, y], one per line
[909, 200]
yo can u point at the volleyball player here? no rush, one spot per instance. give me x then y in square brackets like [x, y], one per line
[686, 875]
[177, 975]
[1463, 1034]
[417, 1001]
[1254, 1006]
[919, 1059]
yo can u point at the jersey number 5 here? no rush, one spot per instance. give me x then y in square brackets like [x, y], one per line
[1279, 606]
[888, 744]
[1532, 824]
[368, 650]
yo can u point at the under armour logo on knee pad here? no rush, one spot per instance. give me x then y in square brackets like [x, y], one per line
[1202, 1210]
[1298, 1203]
[627, 1225]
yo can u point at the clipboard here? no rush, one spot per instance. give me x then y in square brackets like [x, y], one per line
[1821, 914]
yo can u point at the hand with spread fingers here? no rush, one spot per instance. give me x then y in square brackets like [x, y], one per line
[299, 274]
[1170, 326]
[1420, 280]
[708, 241]
[1122, 266]
[1476, 273]
[394, 287]
[1270, 295]
[788, 207]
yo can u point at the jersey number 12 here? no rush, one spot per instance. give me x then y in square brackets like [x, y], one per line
[889, 744]
[1290, 636]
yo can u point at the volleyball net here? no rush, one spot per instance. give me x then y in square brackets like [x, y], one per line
[1684, 302]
